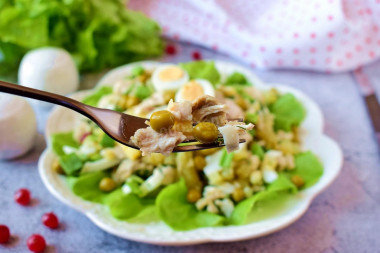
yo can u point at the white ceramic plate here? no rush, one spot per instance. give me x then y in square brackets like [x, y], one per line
[157, 232]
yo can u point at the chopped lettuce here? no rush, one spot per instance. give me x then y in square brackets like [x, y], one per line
[136, 71]
[133, 183]
[87, 186]
[237, 78]
[241, 91]
[94, 98]
[125, 206]
[139, 90]
[288, 112]
[59, 140]
[143, 92]
[226, 159]
[97, 33]
[107, 141]
[251, 117]
[71, 164]
[202, 70]
[174, 209]
[258, 150]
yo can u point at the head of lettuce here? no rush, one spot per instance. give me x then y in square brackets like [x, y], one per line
[97, 33]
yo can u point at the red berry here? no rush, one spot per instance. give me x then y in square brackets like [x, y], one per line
[50, 220]
[36, 243]
[196, 55]
[4, 234]
[171, 49]
[22, 196]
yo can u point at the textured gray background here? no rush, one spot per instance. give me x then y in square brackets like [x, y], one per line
[344, 218]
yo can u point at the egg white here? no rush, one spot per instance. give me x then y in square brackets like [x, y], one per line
[208, 89]
[160, 85]
[18, 126]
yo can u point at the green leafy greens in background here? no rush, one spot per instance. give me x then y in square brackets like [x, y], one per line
[97, 33]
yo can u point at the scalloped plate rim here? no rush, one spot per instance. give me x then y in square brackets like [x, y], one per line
[307, 195]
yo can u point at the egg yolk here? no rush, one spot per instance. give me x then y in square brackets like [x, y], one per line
[191, 91]
[171, 74]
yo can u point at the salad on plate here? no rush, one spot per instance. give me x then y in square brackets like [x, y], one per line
[212, 187]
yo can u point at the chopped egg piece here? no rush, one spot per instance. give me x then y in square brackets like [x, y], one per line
[195, 89]
[169, 77]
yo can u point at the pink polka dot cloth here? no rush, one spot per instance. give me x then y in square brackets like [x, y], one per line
[321, 35]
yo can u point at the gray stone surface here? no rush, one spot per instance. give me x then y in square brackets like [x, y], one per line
[344, 218]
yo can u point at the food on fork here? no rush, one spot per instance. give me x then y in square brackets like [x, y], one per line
[162, 137]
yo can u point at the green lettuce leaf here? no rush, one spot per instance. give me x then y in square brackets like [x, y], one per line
[251, 117]
[71, 164]
[107, 141]
[126, 206]
[139, 90]
[143, 92]
[202, 70]
[62, 139]
[136, 71]
[237, 78]
[134, 182]
[226, 159]
[258, 150]
[288, 112]
[242, 210]
[94, 98]
[86, 186]
[146, 215]
[176, 212]
[308, 167]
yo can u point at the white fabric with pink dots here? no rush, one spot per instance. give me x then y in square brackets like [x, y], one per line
[322, 35]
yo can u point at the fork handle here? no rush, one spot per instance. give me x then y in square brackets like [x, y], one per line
[45, 96]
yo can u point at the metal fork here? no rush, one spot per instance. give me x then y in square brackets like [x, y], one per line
[119, 126]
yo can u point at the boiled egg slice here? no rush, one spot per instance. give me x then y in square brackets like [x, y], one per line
[194, 89]
[169, 77]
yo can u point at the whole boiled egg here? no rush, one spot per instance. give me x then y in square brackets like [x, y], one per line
[50, 69]
[169, 77]
[194, 89]
[18, 126]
